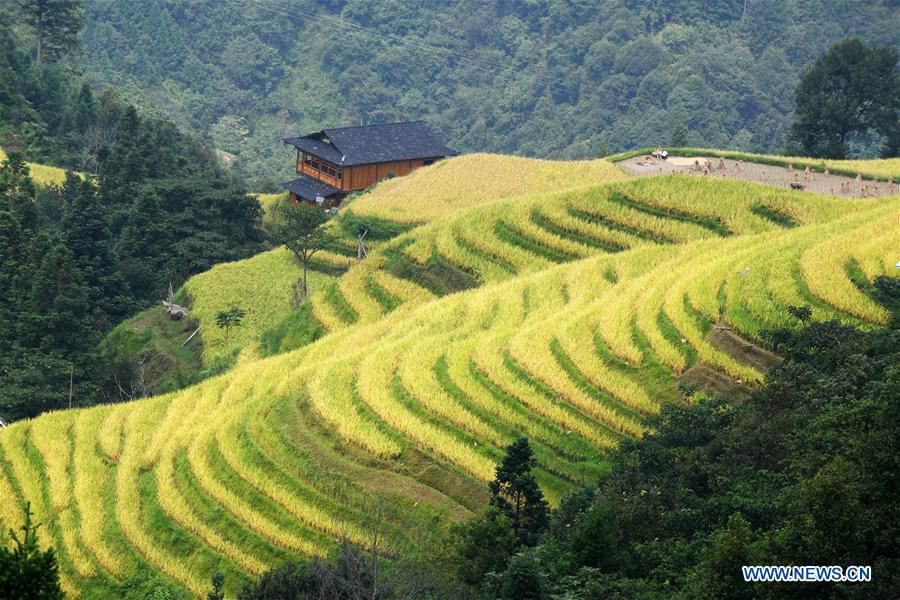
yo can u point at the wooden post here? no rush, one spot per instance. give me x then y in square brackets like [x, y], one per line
[361, 246]
[71, 384]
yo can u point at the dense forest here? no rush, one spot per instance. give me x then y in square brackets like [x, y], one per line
[548, 78]
[77, 259]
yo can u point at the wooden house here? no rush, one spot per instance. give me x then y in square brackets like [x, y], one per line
[331, 163]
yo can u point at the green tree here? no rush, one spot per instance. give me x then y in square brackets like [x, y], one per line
[524, 579]
[17, 190]
[226, 319]
[56, 25]
[851, 90]
[483, 546]
[25, 570]
[87, 234]
[679, 137]
[218, 583]
[515, 492]
[300, 228]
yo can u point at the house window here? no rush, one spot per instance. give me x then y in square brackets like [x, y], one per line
[428, 161]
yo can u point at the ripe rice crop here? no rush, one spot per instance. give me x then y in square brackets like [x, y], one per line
[456, 184]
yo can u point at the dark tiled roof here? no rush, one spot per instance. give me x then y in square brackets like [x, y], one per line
[373, 143]
[309, 188]
[316, 147]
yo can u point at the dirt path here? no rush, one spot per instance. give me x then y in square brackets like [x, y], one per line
[713, 381]
[820, 183]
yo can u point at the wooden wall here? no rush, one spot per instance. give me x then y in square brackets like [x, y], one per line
[362, 176]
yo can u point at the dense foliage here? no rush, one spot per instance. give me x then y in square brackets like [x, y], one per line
[849, 91]
[26, 571]
[44, 111]
[804, 472]
[555, 78]
[78, 258]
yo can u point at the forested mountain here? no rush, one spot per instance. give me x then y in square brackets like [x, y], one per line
[550, 78]
[153, 207]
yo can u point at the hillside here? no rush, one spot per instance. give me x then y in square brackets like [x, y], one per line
[576, 314]
[472, 179]
[554, 79]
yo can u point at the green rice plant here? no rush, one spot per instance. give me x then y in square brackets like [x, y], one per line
[331, 397]
[91, 475]
[490, 362]
[10, 515]
[227, 436]
[237, 505]
[109, 436]
[374, 378]
[51, 437]
[22, 473]
[260, 285]
[138, 428]
[418, 379]
[823, 266]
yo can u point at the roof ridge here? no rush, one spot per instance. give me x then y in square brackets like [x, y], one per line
[370, 125]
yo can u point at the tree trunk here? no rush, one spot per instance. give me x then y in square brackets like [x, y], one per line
[305, 264]
[39, 29]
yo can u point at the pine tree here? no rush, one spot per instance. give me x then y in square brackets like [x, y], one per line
[56, 24]
[679, 137]
[85, 109]
[55, 360]
[516, 493]
[88, 236]
[12, 257]
[141, 245]
[125, 162]
[26, 571]
[218, 583]
[17, 190]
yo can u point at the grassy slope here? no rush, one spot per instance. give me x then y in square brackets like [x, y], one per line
[260, 285]
[603, 300]
[154, 341]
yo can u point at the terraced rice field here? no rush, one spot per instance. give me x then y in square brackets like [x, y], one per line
[567, 317]
[473, 179]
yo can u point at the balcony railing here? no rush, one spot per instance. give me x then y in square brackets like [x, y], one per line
[305, 169]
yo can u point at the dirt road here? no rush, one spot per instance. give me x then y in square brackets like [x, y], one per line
[820, 183]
